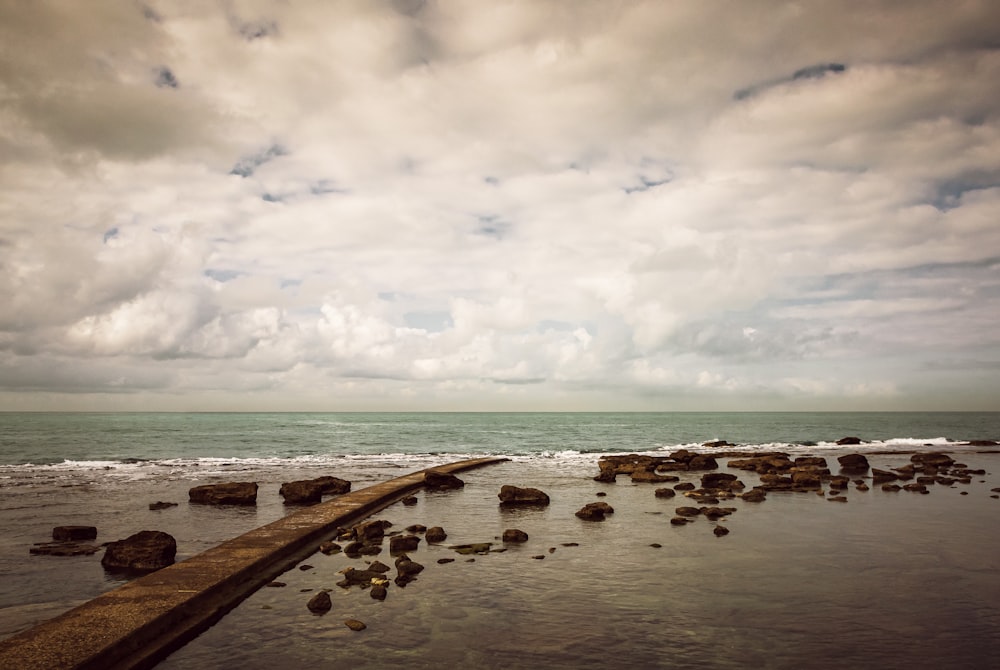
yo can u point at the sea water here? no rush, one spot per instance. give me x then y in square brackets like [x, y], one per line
[886, 580]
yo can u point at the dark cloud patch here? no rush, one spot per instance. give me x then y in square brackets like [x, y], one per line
[110, 234]
[491, 226]
[271, 197]
[645, 183]
[248, 164]
[324, 187]
[150, 14]
[222, 276]
[948, 194]
[409, 7]
[255, 30]
[811, 72]
[165, 78]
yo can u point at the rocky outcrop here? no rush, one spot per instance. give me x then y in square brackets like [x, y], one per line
[513, 496]
[435, 534]
[403, 543]
[650, 469]
[594, 511]
[229, 493]
[514, 535]
[437, 480]
[849, 441]
[311, 491]
[853, 463]
[320, 603]
[145, 551]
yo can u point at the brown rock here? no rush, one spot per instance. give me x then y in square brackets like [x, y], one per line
[311, 491]
[320, 603]
[838, 499]
[438, 480]
[933, 459]
[754, 495]
[855, 463]
[403, 543]
[161, 505]
[435, 534]
[891, 488]
[664, 493]
[229, 493]
[511, 496]
[410, 501]
[687, 511]
[880, 476]
[145, 551]
[594, 511]
[355, 625]
[849, 440]
[718, 480]
[514, 535]
[720, 531]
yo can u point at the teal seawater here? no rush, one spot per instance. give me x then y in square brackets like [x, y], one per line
[48, 438]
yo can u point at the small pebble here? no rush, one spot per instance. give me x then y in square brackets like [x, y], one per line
[355, 625]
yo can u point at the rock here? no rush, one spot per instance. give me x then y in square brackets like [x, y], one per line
[810, 462]
[406, 570]
[982, 443]
[145, 551]
[355, 577]
[511, 496]
[849, 440]
[435, 534]
[715, 444]
[891, 488]
[477, 547]
[840, 482]
[880, 476]
[650, 477]
[837, 499]
[702, 462]
[410, 501]
[594, 511]
[328, 548]
[311, 491]
[714, 513]
[720, 531]
[718, 480]
[74, 533]
[437, 480]
[807, 479]
[514, 535]
[754, 495]
[276, 585]
[403, 543]
[371, 531]
[853, 463]
[687, 511]
[63, 549]
[916, 488]
[304, 568]
[933, 459]
[355, 625]
[862, 487]
[678, 521]
[229, 493]
[442, 561]
[378, 566]
[161, 505]
[320, 603]
[416, 528]
[378, 592]
[686, 486]
[664, 493]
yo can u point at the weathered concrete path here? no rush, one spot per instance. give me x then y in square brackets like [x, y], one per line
[140, 623]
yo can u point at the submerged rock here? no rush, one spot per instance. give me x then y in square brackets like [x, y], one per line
[512, 496]
[403, 543]
[595, 511]
[435, 534]
[320, 603]
[229, 493]
[664, 493]
[63, 549]
[514, 535]
[438, 480]
[158, 505]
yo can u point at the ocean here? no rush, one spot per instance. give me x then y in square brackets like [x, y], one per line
[885, 580]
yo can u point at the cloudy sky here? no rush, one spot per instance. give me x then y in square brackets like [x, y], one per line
[524, 205]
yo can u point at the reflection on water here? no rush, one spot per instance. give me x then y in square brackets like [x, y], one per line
[887, 580]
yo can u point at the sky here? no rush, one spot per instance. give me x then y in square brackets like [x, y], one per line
[525, 205]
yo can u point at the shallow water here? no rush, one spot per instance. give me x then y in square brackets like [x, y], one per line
[886, 580]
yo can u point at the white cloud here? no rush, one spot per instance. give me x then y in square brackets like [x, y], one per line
[453, 205]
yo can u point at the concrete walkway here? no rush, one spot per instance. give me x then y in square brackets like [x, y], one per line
[142, 622]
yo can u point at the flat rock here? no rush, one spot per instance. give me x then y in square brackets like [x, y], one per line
[74, 533]
[511, 496]
[145, 551]
[229, 493]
